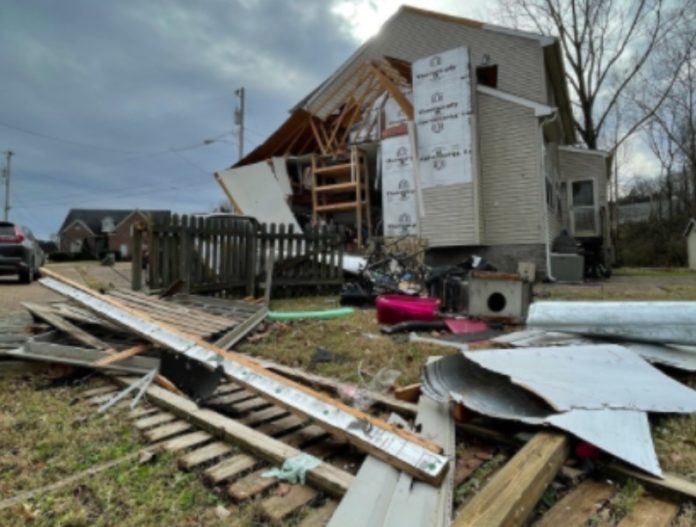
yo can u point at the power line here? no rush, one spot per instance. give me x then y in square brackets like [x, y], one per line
[63, 140]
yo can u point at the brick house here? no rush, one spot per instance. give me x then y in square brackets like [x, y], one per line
[97, 232]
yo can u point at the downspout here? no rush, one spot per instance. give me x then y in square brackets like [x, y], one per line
[545, 205]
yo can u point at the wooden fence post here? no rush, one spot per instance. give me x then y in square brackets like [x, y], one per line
[137, 260]
[185, 254]
[252, 257]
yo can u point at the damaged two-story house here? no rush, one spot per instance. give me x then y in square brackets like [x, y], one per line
[445, 128]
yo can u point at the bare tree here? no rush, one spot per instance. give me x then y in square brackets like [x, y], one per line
[606, 45]
[672, 126]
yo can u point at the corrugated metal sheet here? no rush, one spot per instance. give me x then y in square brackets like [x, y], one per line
[457, 378]
[591, 377]
[510, 180]
[661, 322]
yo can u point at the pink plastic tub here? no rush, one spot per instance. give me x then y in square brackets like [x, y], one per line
[392, 309]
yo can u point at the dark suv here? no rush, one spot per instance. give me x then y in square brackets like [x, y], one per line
[20, 253]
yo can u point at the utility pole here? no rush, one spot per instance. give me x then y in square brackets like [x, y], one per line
[6, 174]
[239, 119]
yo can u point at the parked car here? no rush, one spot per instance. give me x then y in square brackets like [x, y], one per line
[20, 253]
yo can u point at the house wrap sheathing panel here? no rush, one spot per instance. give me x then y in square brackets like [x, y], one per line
[443, 122]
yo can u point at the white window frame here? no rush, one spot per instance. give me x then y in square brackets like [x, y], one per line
[595, 206]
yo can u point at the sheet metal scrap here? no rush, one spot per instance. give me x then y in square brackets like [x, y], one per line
[599, 393]
[673, 355]
[622, 433]
[591, 377]
[661, 322]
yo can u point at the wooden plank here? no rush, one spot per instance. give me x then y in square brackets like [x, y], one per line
[304, 436]
[320, 516]
[394, 91]
[578, 506]
[250, 485]
[332, 385]
[281, 426]
[186, 441]
[122, 355]
[229, 468]
[142, 411]
[250, 404]
[670, 486]
[409, 393]
[98, 391]
[153, 420]
[650, 512]
[504, 504]
[204, 454]
[168, 430]
[46, 314]
[325, 477]
[229, 399]
[405, 450]
[268, 414]
[278, 508]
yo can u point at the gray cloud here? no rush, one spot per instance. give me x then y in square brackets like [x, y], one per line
[142, 77]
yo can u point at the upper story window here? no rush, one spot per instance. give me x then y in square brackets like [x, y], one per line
[583, 193]
[487, 72]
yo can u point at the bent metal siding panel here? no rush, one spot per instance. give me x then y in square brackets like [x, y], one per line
[511, 196]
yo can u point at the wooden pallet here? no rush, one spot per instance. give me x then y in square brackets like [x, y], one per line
[236, 474]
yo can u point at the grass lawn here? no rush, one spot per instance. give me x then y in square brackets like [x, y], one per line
[48, 435]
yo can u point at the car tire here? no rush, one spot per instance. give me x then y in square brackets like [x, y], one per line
[27, 277]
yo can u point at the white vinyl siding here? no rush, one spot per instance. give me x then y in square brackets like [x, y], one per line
[511, 190]
[579, 165]
[410, 36]
[449, 216]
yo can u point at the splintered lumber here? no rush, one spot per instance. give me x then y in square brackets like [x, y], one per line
[122, 355]
[574, 509]
[650, 512]
[405, 450]
[509, 497]
[325, 477]
[277, 508]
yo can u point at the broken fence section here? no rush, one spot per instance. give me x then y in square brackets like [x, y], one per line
[228, 254]
[409, 452]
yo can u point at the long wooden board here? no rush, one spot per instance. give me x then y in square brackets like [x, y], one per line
[405, 450]
[510, 496]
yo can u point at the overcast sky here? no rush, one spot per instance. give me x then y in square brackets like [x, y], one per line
[107, 103]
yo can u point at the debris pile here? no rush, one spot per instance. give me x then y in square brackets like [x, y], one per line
[579, 382]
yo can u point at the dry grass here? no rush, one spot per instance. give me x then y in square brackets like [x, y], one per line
[48, 435]
[355, 340]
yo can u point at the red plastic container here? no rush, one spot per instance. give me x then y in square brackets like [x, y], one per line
[392, 309]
